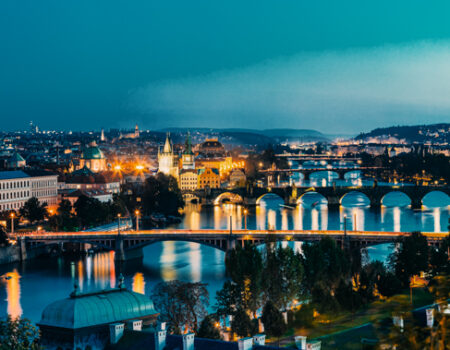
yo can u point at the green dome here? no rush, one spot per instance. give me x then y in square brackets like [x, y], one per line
[99, 308]
[92, 152]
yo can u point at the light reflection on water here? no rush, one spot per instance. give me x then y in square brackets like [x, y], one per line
[37, 283]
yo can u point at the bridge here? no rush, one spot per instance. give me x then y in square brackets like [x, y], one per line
[340, 171]
[334, 195]
[128, 245]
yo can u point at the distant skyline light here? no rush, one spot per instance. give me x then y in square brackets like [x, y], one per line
[337, 67]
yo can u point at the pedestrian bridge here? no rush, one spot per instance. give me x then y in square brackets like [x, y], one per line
[129, 244]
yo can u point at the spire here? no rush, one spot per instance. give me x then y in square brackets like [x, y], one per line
[188, 144]
[167, 144]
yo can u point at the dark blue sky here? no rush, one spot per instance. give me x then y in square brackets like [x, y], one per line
[335, 66]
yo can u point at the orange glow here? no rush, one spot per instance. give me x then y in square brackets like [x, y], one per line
[139, 167]
[139, 283]
[13, 294]
[118, 167]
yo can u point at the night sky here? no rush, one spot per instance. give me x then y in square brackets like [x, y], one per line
[334, 66]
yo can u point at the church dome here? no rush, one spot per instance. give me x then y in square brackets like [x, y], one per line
[92, 152]
[99, 308]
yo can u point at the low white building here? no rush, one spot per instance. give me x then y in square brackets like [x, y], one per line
[17, 186]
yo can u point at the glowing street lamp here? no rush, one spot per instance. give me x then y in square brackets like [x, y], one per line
[12, 215]
[245, 218]
[137, 213]
[139, 167]
[118, 167]
[118, 224]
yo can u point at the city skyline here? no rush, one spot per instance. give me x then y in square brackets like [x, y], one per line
[319, 66]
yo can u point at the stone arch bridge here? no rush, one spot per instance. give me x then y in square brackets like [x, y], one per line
[333, 194]
[129, 244]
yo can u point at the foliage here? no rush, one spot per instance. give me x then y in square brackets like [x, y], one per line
[410, 258]
[388, 284]
[208, 329]
[227, 299]
[162, 194]
[273, 320]
[3, 237]
[245, 267]
[304, 317]
[242, 324]
[181, 304]
[64, 219]
[283, 274]
[18, 334]
[92, 212]
[33, 210]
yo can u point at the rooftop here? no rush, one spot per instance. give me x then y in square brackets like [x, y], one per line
[82, 310]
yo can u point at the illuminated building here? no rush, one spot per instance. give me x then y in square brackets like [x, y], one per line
[167, 160]
[237, 178]
[92, 158]
[208, 178]
[188, 180]
[17, 186]
[188, 158]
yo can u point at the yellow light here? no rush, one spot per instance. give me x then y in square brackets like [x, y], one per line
[139, 167]
[12, 215]
[137, 212]
[119, 215]
[117, 167]
[39, 228]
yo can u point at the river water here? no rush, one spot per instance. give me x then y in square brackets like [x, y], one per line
[34, 284]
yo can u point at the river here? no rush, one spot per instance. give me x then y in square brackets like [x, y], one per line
[34, 284]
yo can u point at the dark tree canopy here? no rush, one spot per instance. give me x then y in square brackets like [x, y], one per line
[162, 194]
[273, 320]
[33, 210]
[18, 334]
[208, 328]
[181, 304]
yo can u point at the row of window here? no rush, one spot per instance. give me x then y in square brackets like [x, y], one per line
[43, 183]
[10, 206]
[6, 185]
[13, 195]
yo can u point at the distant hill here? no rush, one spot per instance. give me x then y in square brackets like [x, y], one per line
[255, 136]
[436, 133]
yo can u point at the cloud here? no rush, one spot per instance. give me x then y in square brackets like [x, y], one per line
[341, 91]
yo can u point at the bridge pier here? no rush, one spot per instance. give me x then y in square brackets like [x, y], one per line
[120, 251]
[416, 203]
[23, 249]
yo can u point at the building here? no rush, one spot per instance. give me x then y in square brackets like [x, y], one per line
[94, 320]
[18, 186]
[188, 157]
[211, 148]
[188, 180]
[73, 195]
[158, 339]
[237, 178]
[16, 161]
[92, 158]
[167, 160]
[87, 180]
[208, 178]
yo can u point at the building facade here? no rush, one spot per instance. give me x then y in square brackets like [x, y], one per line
[16, 187]
[167, 160]
[93, 158]
[188, 180]
[208, 178]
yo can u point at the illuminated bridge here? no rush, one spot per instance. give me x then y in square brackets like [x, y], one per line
[129, 244]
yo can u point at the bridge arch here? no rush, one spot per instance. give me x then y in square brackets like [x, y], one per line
[311, 197]
[330, 174]
[436, 198]
[403, 198]
[191, 198]
[360, 199]
[268, 195]
[228, 196]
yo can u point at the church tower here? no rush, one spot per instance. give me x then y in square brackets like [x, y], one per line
[136, 132]
[188, 156]
[167, 162]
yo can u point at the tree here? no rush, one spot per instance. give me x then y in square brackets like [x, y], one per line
[227, 299]
[64, 219]
[33, 210]
[283, 273]
[410, 258]
[273, 320]
[3, 237]
[18, 334]
[242, 324]
[181, 304]
[162, 194]
[245, 267]
[208, 329]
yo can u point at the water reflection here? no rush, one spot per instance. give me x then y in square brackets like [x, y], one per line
[12, 281]
[138, 285]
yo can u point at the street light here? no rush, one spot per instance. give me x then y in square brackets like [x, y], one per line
[245, 218]
[12, 215]
[118, 224]
[137, 213]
